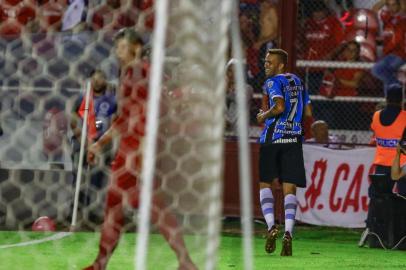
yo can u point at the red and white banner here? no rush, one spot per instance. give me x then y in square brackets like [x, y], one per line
[337, 186]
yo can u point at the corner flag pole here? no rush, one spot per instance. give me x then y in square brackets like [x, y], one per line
[81, 156]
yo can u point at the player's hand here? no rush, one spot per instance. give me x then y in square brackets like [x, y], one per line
[261, 117]
[92, 151]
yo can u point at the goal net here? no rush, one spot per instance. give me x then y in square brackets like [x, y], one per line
[42, 84]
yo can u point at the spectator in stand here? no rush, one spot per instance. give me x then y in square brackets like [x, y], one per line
[102, 109]
[394, 41]
[231, 114]
[113, 15]
[50, 15]
[322, 33]
[268, 22]
[268, 34]
[320, 135]
[248, 24]
[342, 82]
[346, 80]
[16, 17]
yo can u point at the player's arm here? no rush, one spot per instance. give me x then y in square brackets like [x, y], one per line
[396, 172]
[275, 110]
[308, 111]
[265, 102]
[105, 139]
[98, 146]
[76, 130]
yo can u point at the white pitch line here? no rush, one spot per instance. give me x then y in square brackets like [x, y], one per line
[39, 241]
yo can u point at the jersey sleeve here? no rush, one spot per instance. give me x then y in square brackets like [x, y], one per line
[273, 88]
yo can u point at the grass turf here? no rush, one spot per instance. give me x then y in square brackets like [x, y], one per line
[313, 248]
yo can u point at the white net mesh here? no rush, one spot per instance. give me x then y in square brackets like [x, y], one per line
[41, 78]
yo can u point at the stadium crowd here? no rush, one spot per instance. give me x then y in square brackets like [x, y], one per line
[35, 16]
[357, 32]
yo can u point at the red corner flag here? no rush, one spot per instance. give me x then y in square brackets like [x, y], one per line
[91, 117]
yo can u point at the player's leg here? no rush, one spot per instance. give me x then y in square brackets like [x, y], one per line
[292, 175]
[168, 226]
[111, 228]
[267, 203]
[268, 173]
[290, 205]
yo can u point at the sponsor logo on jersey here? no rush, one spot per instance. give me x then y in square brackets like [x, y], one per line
[287, 140]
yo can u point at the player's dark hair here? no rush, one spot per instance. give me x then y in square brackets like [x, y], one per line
[129, 34]
[283, 55]
[97, 70]
[358, 48]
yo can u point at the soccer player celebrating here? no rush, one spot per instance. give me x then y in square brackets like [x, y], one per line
[124, 184]
[284, 104]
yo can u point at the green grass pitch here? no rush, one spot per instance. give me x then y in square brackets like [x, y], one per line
[313, 248]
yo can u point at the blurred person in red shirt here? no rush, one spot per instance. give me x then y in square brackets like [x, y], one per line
[393, 21]
[346, 80]
[322, 34]
[268, 37]
[124, 186]
[16, 16]
[342, 82]
[248, 19]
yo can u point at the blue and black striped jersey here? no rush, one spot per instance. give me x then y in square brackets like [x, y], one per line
[288, 124]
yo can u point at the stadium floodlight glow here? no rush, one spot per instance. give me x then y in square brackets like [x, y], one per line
[359, 38]
[361, 18]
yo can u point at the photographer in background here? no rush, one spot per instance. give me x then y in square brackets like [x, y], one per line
[398, 170]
